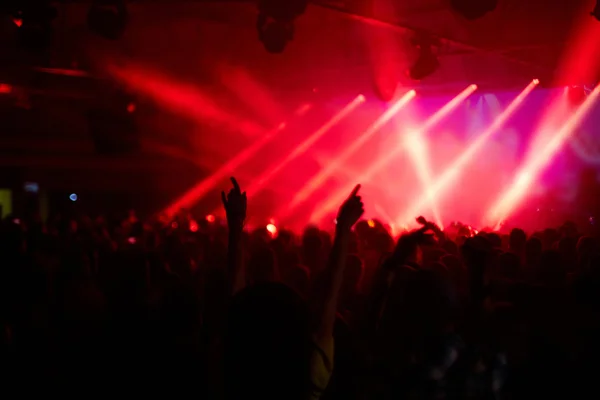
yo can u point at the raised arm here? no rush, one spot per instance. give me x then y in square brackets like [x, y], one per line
[235, 203]
[350, 211]
[437, 231]
[382, 281]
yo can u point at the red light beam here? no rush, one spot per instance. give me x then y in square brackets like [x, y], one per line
[200, 190]
[319, 179]
[529, 173]
[183, 98]
[457, 166]
[334, 200]
[305, 145]
[416, 146]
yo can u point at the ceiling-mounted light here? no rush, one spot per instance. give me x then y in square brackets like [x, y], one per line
[34, 24]
[385, 84]
[596, 12]
[275, 22]
[108, 18]
[427, 62]
[473, 9]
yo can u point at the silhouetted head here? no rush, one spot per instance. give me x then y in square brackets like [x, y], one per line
[476, 249]
[509, 266]
[494, 239]
[262, 266]
[567, 246]
[550, 236]
[517, 240]
[569, 228]
[288, 259]
[267, 344]
[312, 248]
[298, 278]
[533, 250]
[552, 271]
[587, 247]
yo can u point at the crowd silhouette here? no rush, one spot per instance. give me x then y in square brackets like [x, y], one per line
[93, 307]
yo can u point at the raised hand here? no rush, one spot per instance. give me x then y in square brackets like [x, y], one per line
[432, 226]
[408, 243]
[423, 237]
[235, 203]
[326, 302]
[351, 210]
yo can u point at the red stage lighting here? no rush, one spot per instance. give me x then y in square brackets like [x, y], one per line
[272, 229]
[576, 95]
[131, 107]
[5, 88]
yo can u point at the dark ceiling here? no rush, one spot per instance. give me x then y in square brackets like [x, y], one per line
[338, 47]
[517, 41]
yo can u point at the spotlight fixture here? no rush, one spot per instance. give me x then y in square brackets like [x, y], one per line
[108, 18]
[34, 22]
[427, 62]
[275, 22]
[473, 9]
[596, 12]
[385, 86]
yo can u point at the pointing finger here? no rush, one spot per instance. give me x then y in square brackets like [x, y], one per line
[355, 190]
[235, 184]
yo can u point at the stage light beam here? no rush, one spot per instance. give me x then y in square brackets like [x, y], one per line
[206, 185]
[335, 199]
[529, 173]
[418, 151]
[319, 179]
[182, 98]
[266, 177]
[457, 166]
